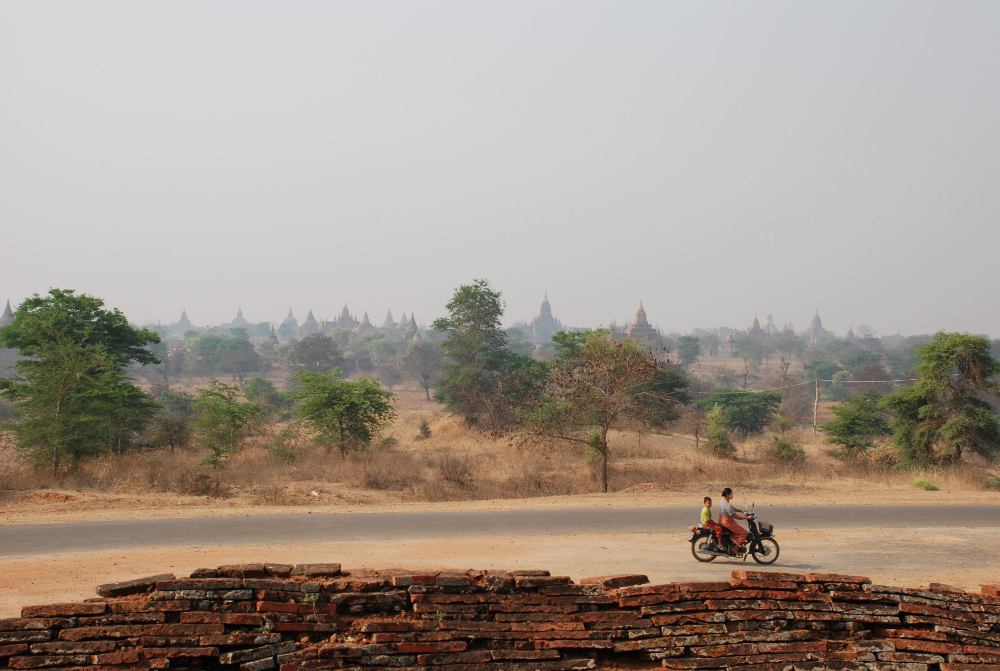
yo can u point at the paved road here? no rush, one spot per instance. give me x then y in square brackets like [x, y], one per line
[42, 539]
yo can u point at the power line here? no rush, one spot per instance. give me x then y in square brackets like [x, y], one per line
[802, 384]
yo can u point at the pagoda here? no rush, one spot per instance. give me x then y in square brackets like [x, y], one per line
[346, 320]
[544, 325]
[640, 330]
[412, 331]
[309, 326]
[366, 325]
[183, 324]
[289, 329]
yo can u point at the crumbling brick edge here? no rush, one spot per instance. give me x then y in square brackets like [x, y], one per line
[286, 617]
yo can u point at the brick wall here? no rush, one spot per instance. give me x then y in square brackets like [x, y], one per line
[314, 616]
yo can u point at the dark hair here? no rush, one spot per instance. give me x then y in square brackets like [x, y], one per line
[727, 492]
[708, 498]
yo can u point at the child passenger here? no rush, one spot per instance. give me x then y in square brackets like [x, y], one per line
[707, 521]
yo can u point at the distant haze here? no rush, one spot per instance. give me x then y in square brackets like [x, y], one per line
[712, 159]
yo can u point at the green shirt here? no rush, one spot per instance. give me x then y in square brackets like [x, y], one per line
[706, 514]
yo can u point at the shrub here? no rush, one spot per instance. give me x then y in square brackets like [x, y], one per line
[283, 443]
[717, 438]
[992, 482]
[424, 430]
[925, 485]
[781, 424]
[386, 443]
[858, 423]
[456, 470]
[786, 451]
[883, 455]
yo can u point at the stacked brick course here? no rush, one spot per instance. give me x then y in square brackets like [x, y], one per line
[256, 617]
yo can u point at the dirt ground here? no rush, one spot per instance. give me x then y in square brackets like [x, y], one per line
[904, 557]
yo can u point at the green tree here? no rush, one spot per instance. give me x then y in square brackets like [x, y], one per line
[71, 392]
[602, 385]
[224, 419]
[745, 412]
[857, 422]
[271, 400]
[688, 349]
[424, 360]
[344, 413]
[316, 353]
[63, 317]
[947, 412]
[226, 353]
[716, 436]
[483, 380]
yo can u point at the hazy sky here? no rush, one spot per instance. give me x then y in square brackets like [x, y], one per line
[712, 159]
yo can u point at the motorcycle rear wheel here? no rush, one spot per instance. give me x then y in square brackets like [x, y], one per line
[698, 547]
[770, 553]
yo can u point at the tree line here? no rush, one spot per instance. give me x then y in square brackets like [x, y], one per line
[74, 394]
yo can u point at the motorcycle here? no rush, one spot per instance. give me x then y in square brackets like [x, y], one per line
[760, 543]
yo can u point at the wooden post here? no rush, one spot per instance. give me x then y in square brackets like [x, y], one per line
[816, 407]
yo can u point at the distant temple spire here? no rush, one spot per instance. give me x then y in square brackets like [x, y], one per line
[544, 325]
[412, 331]
[184, 323]
[389, 323]
[8, 315]
[366, 324]
[640, 330]
[310, 325]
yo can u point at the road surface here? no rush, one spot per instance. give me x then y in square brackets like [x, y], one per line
[54, 539]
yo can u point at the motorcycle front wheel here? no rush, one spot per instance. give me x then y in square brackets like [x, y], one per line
[699, 550]
[767, 553]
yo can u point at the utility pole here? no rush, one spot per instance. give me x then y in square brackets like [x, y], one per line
[816, 406]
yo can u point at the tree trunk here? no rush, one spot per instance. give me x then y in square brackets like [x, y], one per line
[604, 469]
[604, 459]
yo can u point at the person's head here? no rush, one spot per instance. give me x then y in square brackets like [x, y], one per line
[727, 493]
[708, 501]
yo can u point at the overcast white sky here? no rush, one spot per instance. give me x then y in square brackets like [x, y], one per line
[712, 159]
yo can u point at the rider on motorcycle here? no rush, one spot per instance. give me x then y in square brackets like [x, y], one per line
[728, 516]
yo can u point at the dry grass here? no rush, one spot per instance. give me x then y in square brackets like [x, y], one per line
[455, 463]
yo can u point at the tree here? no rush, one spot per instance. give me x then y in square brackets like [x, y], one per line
[424, 360]
[239, 358]
[717, 437]
[63, 317]
[344, 413]
[271, 400]
[857, 422]
[483, 380]
[229, 353]
[595, 389]
[688, 349]
[947, 411]
[317, 353]
[71, 391]
[745, 412]
[171, 425]
[224, 419]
